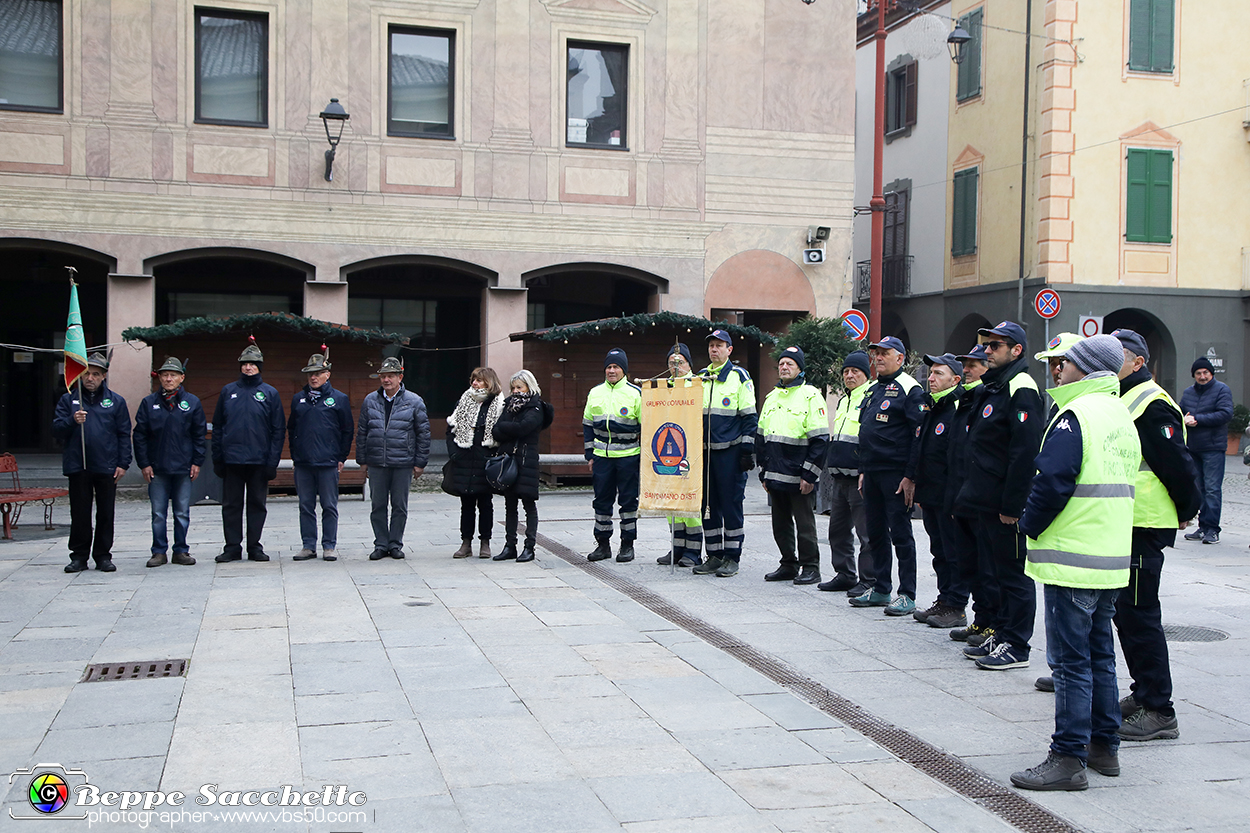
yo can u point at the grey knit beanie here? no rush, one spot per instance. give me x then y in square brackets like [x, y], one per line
[1097, 353]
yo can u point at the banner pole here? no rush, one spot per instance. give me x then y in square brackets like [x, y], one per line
[82, 429]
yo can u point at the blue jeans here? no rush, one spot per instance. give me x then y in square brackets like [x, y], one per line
[163, 489]
[311, 483]
[1081, 652]
[1210, 465]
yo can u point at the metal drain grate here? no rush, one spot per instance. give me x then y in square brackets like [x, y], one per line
[151, 670]
[1193, 633]
[938, 764]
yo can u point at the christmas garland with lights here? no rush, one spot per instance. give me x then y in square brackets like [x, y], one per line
[283, 321]
[642, 321]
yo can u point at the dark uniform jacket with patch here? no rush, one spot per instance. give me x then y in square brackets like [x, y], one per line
[169, 436]
[321, 427]
[1004, 435]
[248, 427]
[107, 429]
[934, 438]
[888, 420]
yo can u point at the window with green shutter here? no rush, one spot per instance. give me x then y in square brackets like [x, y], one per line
[1148, 207]
[968, 72]
[964, 214]
[1151, 24]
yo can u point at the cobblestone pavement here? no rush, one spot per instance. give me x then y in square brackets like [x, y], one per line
[480, 696]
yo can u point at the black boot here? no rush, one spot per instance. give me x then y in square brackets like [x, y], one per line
[75, 566]
[603, 550]
[508, 553]
[527, 553]
[627, 552]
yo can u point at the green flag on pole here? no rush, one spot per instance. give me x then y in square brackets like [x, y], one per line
[75, 343]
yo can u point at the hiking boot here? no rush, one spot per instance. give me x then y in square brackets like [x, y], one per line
[304, 555]
[330, 555]
[75, 566]
[377, 555]
[901, 606]
[807, 575]
[1044, 684]
[157, 560]
[871, 598]
[602, 551]
[1003, 658]
[860, 588]
[466, 549]
[1212, 537]
[1196, 535]
[626, 553]
[979, 637]
[838, 582]
[947, 617]
[1102, 760]
[1128, 706]
[981, 651]
[183, 558]
[784, 572]
[923, 615]
[508, 553]
[1057, 772]
[708, 567]
[483, 551]
[1145, 724]
[727, 568]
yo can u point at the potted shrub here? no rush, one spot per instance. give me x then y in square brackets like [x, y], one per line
[1236, 428]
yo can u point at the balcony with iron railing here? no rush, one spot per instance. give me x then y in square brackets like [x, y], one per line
[895, 278]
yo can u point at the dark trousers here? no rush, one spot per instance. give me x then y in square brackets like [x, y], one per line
[1003, 546]
[1139, 622]
[1210, 465]
[83, 487]
[481, 507]
[952, 583]
[237, 480]
[616, 480]
[793, 511]
[311, 483]
[723, 526]
[974, 565]
[510, 519]
[846, 510]
[388, 486]
[889, 522]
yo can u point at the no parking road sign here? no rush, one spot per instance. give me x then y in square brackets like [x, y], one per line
[856, 324]
[1047, 303]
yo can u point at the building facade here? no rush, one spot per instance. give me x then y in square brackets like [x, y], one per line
[506, 164]
[1124, 127]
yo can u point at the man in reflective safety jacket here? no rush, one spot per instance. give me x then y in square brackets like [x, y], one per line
[888, 420]
[846, 503]
[729, 423]
[1166, 498]
[1079, 523]
[610, 429]
[1004, 434]
[790, 447]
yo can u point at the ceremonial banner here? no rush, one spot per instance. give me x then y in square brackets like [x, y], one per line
[75, 342]
[672, 448]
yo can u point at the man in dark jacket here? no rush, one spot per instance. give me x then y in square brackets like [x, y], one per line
[932, 467]
[393, 446]
[248, 430]
[1208, 408]
[846, 503]
[888, 420]
[100, 423]
[1166, 498]
[1004, 435]
[169, 448]
[321, 428]
[790, 447]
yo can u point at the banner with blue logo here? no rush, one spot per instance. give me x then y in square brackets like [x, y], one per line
[672, 447]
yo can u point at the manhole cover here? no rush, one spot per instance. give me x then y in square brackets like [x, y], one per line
[149, 670]
[1192, 633]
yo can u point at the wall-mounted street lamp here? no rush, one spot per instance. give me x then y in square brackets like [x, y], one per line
[957, 42]
[333, 112]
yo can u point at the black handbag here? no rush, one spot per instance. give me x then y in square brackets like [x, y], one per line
[502, 471]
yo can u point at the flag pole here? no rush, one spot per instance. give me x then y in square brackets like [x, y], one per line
[82, 429]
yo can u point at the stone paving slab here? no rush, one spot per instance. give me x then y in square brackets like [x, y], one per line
[481, 696]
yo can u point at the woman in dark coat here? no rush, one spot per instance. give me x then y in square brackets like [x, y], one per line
[525, 414]
[469, 442]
